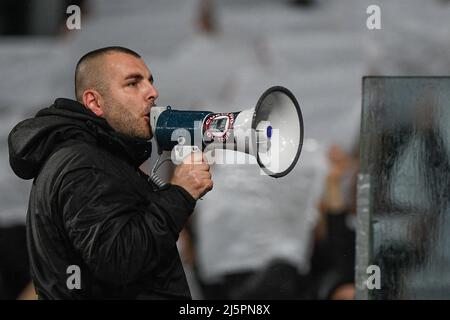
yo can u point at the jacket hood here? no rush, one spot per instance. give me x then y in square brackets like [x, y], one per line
[33, 140]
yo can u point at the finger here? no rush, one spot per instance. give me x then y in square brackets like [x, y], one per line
[194, 158]
[197, 157]
[208, 188]
[209, 157]
[203, 175]
[202, 167]
[210, 185]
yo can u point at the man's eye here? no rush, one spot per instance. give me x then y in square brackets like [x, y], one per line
[132, 84]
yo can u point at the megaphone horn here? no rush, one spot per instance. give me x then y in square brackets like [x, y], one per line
[272, 129]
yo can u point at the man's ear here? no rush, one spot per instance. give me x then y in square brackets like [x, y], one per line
[93, 100]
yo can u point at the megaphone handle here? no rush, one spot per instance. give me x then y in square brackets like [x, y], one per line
[157, 181]
[195, 149]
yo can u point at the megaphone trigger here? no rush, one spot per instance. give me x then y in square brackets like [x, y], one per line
[196, 155]
[180, 152]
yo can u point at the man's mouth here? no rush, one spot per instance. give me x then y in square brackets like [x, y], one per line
[147, 111]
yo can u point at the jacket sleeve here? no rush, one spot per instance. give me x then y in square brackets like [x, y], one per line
[119, 235]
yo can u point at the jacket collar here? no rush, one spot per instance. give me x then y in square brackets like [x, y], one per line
[135, 150]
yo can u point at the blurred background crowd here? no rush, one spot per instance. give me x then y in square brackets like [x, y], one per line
[252, 237]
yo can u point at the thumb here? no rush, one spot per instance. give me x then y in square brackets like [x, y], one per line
[195, 157]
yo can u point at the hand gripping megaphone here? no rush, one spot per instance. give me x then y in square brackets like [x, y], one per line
[272, 131]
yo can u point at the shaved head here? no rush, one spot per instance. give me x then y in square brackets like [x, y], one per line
[90, 72]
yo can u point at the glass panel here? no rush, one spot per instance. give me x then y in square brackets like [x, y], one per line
[404, 188]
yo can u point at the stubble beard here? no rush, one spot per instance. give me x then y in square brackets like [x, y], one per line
[125, 122]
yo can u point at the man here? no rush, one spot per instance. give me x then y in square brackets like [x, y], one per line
[92, 212]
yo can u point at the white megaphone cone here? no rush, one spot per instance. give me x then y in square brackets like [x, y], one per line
[275, 131]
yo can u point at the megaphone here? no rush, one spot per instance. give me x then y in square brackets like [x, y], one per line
[272, 131]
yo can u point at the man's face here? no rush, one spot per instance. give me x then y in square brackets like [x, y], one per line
[130, 96]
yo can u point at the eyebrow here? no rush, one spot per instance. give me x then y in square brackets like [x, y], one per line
[138, 76]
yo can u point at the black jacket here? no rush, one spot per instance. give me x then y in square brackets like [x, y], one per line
[91, 206]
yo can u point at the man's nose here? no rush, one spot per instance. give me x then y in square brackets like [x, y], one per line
[152, 92]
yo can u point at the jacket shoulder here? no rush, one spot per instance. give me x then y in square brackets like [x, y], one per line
[75, 155]
[80, 155]
[77, 158]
